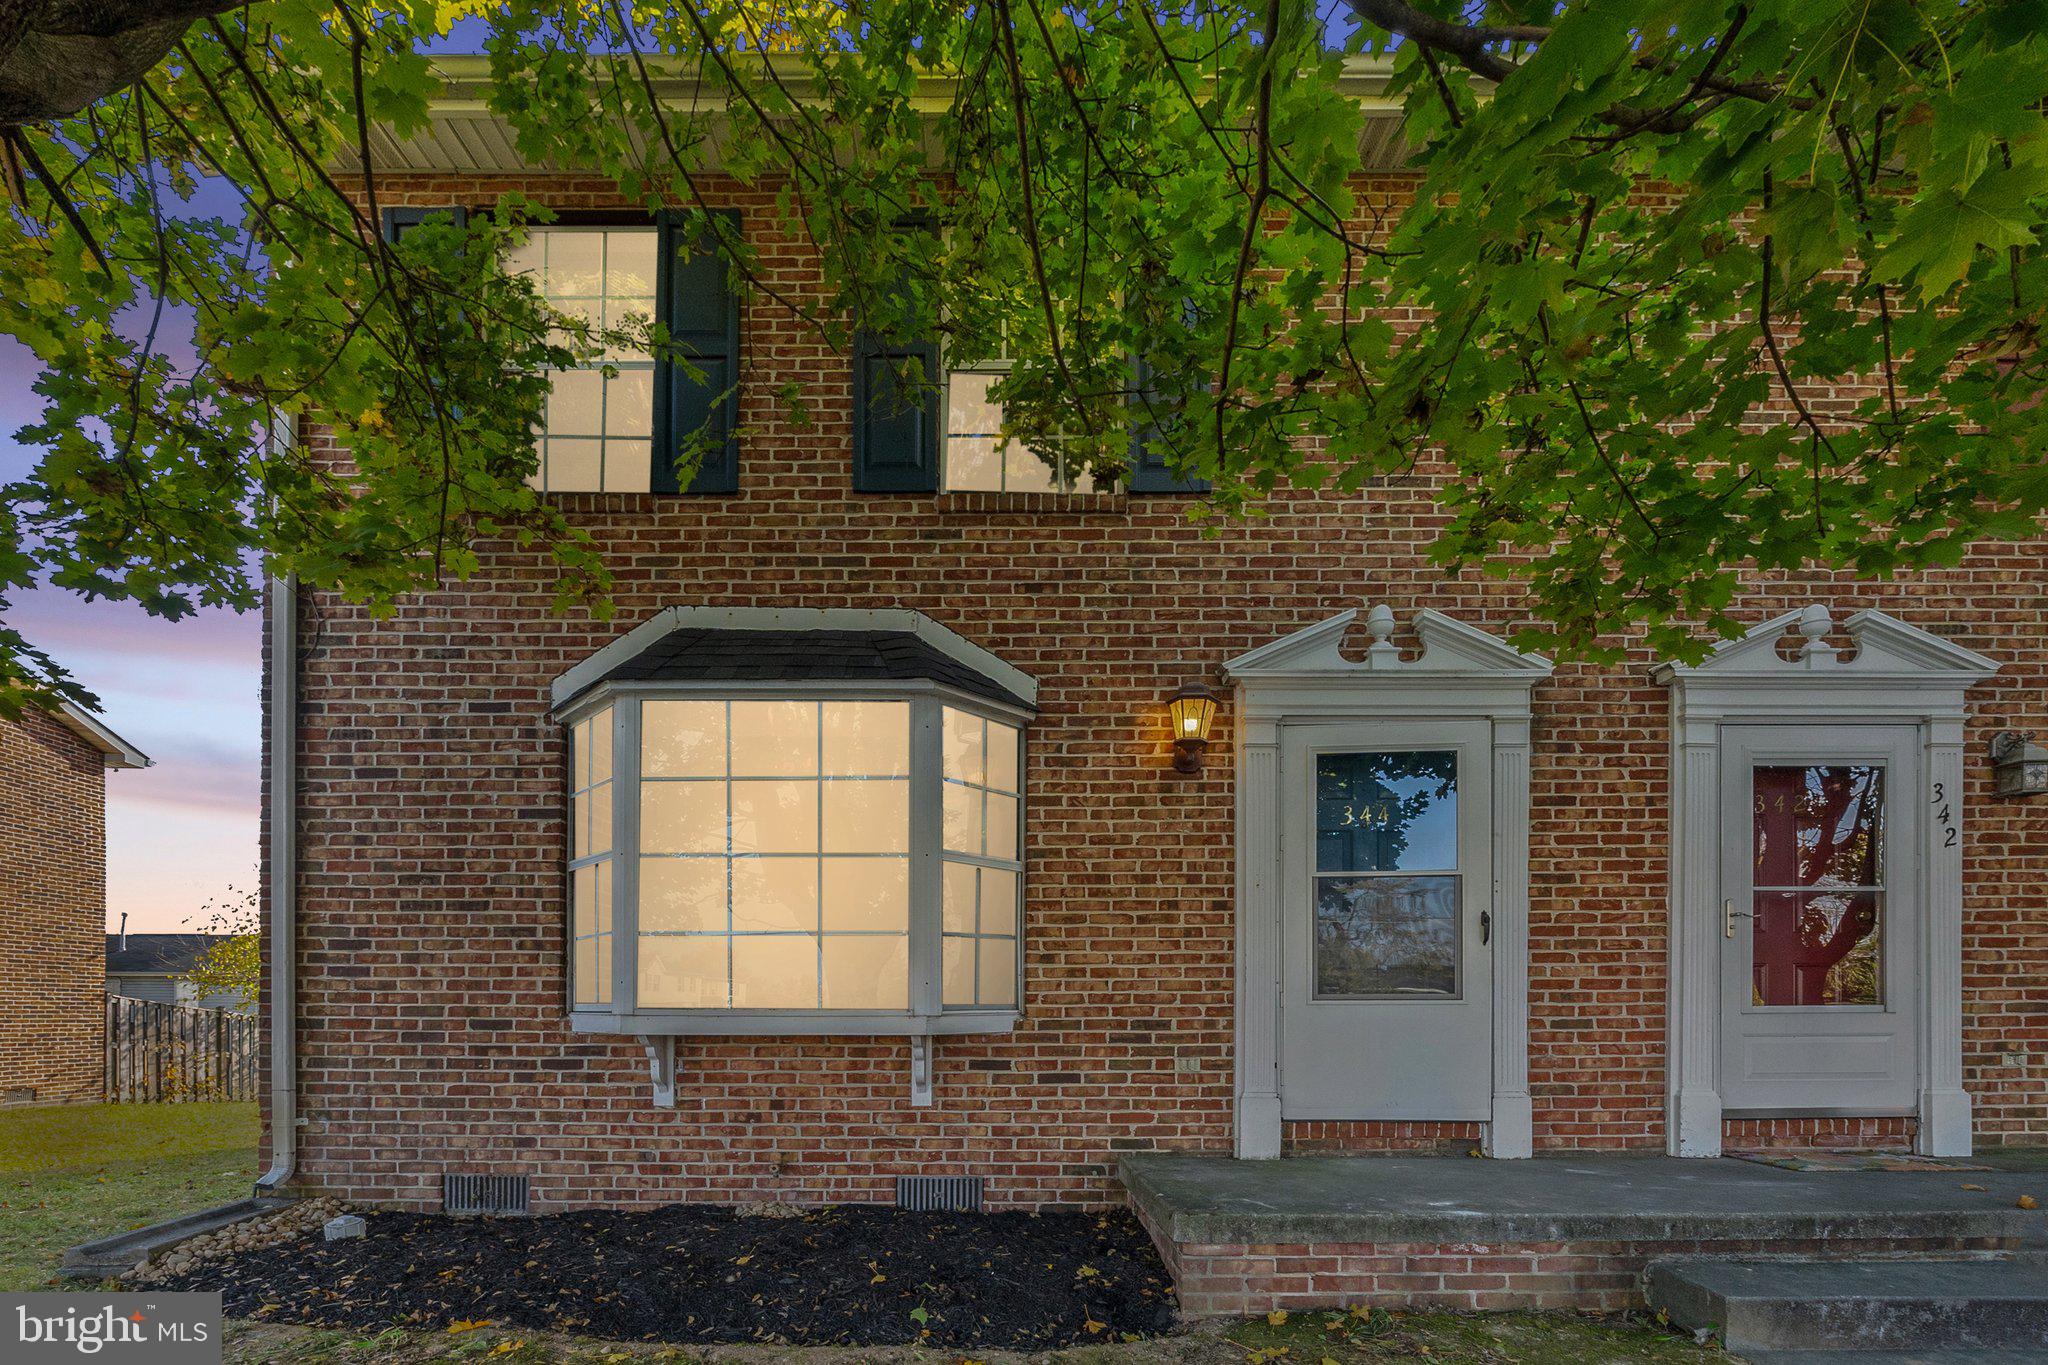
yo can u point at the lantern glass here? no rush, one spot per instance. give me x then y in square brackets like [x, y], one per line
[1192, 708]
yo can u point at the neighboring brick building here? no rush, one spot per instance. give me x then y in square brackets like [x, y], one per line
[53, 900]
[441, 897]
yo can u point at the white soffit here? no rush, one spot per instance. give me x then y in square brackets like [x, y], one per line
[463, 135]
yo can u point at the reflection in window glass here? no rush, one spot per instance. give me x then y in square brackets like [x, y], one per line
[981, 762]
[774, 867]
[590, 859]
[1387, 812]
[1381, 930]
[1386, 936]
[1817, 844]
[598, 430]
[979, 459]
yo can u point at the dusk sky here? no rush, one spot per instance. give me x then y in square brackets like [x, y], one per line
[183, 832]
[187, 693]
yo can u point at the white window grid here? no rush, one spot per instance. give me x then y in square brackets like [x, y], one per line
[926, 939]
[590, 857]
[624, 428]
[731, 856]
[981, 858]
[1014, 461]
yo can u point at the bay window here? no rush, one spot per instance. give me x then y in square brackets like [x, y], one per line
[821, 856]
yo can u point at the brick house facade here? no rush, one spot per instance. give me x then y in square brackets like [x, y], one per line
[53, 893]
[433, 779]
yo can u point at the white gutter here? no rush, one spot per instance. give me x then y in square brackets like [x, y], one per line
[283, 875]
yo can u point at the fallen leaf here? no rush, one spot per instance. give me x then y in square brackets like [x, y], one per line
[1978, 1188]
[2027, 1201]
[468, 1326]
[743, 1260]
[1093, 1326]
[1277, 1317]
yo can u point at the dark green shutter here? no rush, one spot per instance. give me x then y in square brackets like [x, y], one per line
[396, 221]
[1150, 473]
[895, 426]
[695, 300]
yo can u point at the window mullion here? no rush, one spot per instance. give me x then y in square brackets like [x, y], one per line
[926, 832]
[625, 855]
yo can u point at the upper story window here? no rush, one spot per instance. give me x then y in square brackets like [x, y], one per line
[598, 431]
[808, 831]
[978, 458]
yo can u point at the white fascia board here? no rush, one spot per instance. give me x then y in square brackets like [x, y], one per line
[118, 752]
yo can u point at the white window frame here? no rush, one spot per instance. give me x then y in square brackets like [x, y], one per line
[634, 363]
[1897, 674]
[999, 366]
[925, 1015]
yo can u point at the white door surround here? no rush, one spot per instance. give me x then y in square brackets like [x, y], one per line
[1897, 675]
[1462, 674]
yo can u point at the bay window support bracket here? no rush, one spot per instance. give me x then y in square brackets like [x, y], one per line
[661, 1065]
[921, 1071]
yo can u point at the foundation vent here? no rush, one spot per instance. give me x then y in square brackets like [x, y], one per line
[939, 1193]
[488, 1195]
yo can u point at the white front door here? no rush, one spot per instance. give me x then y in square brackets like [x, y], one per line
[1386, 906]
[1820, 974]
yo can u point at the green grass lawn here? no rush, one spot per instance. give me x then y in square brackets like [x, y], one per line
[68, 1175]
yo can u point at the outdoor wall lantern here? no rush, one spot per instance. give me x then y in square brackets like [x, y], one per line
[1192, 708]
[2019, 766]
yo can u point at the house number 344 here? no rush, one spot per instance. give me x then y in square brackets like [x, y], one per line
[1945, 815]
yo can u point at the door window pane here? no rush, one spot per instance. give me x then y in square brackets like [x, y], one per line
[1386, 936]
[1387, 812]
[1817, 860]
[1819, 826]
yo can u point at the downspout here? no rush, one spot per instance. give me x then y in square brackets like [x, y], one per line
[283, 873]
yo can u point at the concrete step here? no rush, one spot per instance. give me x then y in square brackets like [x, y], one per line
[1839, 1306]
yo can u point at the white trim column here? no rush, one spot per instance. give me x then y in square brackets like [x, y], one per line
[1944, 1107]
[1512, 1131]
[1693, 1072]
[1258, 1126]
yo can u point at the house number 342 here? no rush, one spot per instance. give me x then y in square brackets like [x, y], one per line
[1945, 815]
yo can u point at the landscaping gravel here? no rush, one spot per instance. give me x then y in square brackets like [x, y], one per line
[848, 1275]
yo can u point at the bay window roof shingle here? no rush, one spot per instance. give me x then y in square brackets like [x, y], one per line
[770, 656]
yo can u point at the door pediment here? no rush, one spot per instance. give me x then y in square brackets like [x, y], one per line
[1458, 670]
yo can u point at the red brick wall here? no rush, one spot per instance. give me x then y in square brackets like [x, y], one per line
[431, 814]
[53, 902]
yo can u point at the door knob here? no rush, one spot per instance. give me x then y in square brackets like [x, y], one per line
[1485, 927]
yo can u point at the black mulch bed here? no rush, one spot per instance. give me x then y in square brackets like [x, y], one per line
[850, 1275]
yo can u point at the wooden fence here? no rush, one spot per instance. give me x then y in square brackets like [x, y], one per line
[162, 1054]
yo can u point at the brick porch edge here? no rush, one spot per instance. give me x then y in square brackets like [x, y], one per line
[1594, 1276]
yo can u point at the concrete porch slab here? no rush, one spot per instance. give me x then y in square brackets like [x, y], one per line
[1363, 1200]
